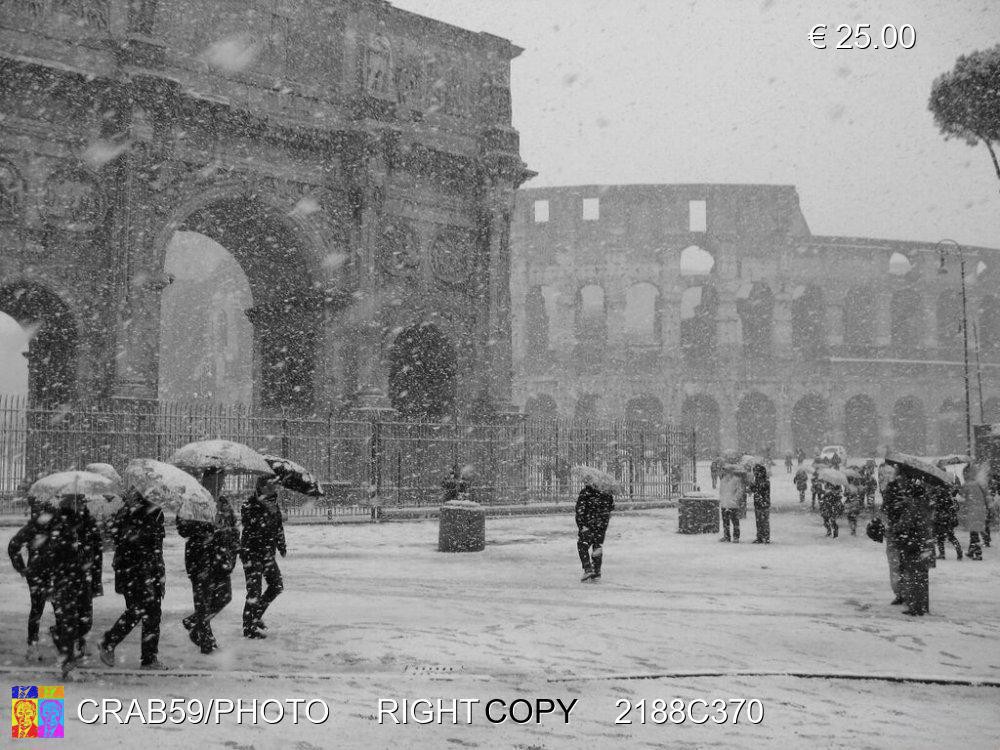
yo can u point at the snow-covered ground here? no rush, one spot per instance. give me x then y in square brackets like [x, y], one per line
[374, 611]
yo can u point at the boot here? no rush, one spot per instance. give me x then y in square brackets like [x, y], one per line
[958, 551]
[154, 666]
[598, 560]
[588, 574]
[32, 654]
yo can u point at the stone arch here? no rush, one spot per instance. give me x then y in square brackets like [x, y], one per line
[279, 253]
[906, 311]
[542, 406]
[646, 410]
[756, 311]
[696, 261]
[53, 349]
[699, 311]
[859, 317]
[810, 423]
[700, 412]
[641, 317]
[989, 328]
[591, 313]
[949, 321]
[909, 426]
[422, 373]
[860, 426]
[809, 322]
[951, 426]
[756, 422]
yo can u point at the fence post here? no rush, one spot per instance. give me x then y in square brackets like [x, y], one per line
[329, 445]
[285, 447]
[694, 458]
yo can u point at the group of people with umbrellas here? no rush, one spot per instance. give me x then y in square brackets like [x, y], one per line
[740, 476]
[64, 543]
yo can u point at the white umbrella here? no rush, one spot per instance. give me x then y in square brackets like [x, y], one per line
[170, 488]
[105, 470]
[92, 486]
[227, 455]
[599, 480]
[929, 470]
[832, 476]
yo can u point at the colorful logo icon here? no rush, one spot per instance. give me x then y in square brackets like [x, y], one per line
[37, 712]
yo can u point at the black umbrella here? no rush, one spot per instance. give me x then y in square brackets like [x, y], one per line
[292, 476]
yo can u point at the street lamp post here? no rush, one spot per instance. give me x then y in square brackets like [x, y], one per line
[965, 333]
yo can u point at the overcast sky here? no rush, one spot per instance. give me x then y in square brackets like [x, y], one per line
[631, 91]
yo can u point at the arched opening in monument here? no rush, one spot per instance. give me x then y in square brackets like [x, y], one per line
[206, 340]
[810, 424]
[586, 407]
[14, 341]
[423, 371]
[756, 310]
[909, 426]
[542, 406]
[591, 318]
[907, 321]
[641, 319]
[860, 426]
[809, 322]
[951, 426]
[699, 308]
[267, 266]
[756, 423]
[989, 328]
[859, 320]
[52, 339]
[701, 413]
[949, 322]
[646, 411]
[536, 325]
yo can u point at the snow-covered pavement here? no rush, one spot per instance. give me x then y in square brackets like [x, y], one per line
[374, 611]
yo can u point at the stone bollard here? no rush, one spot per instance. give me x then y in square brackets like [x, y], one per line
[698, 513]
[462, 527]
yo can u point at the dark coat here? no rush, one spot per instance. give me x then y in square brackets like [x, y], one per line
[211, 549]
[593, 507]
[907, 508]
[944, 509]
[831, 504]
[263, 530]
[761, 487]
[34, 536]
[75, 551]
[138, 562]
[801, 480]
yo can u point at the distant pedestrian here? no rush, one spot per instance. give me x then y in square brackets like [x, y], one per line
[835, 460]
[593, 513]
[801, 480]
[944, 517]
[800, 456]
[263, 535]
[33, 537]
[853, 505]
[814, 487]
[761, 486]
[714, 469]
[788, 462]
[976, 502]
[732, 492]
[140, 577]
[831, 507]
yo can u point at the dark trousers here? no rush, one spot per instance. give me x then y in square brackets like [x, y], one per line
[852, 523]
[975, 549]
[947, 535]
[590, 545]
[763, 519]
[140, 606]
[830, 524]
[802, 495]
[211, 594]
[914, 581]
[71, 606]
[731, 516]
[715, 481]
[258, 570]
[38, 596]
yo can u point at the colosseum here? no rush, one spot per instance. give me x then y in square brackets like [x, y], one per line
[715, 306]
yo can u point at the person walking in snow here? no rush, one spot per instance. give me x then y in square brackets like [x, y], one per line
[976, 502]
[788, 462]
[908, 507]
[801, 483]
[140, 577]
[761, 487]
[263, 535]
[944, 515]
[853, 505]
[713, 469]
[593, 513]
[732, 494]
[33, 537]
[814, 485]
[830, 507]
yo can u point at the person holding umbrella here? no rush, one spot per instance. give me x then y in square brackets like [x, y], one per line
[140, 577]
[263, 535]
[761, 487]
[33, 537]
[732, 493]
[830, 501]
[593, 513]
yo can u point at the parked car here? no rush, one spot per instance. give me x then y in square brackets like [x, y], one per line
[826, 455]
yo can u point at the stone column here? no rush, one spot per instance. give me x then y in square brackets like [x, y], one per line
[782, 332]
